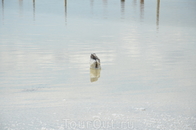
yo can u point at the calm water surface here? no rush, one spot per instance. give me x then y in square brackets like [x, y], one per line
[147, 51]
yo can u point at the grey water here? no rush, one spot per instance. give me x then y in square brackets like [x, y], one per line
[148, 64]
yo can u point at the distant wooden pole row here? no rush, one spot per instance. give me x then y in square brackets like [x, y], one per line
[122, 9]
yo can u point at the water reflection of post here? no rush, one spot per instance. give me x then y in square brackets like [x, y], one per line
[105, 8]
[65, 11]
[3, 9]
[158, 7]
[134, 2]
[141, 9]
[92, 1]
[20, 4]
[105, 2]
[122, 8]
[33, 9]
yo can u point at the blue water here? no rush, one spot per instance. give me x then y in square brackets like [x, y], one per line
[147, 51]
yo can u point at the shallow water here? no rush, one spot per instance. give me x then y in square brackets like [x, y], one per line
[148, 68]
